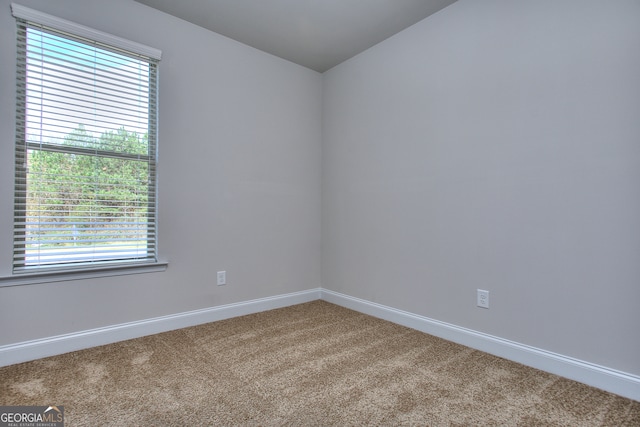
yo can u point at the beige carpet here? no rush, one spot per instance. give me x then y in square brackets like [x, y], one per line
[313, 364]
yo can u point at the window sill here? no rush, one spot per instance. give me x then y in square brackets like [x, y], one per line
[85, 273]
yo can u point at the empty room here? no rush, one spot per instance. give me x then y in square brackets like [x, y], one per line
[320, 212]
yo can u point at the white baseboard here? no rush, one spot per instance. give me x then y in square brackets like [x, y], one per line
[37, 349]
[620, 383]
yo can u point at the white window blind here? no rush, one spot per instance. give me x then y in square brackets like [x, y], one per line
[85, 163]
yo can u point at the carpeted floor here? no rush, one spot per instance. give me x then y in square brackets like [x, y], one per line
[313, 364]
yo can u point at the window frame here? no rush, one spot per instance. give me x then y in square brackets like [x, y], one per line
[38, 274]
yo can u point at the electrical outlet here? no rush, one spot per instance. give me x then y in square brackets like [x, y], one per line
[483, 298]
[222, 278]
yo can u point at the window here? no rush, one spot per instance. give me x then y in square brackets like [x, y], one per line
[85, 154]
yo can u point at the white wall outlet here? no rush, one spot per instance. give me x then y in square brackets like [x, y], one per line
[483, 298]
[222, 278]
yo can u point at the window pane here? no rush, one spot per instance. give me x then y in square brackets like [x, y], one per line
[71, 84]
[82, 206]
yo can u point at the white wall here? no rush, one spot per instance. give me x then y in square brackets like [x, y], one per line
[239, 149]
[494, 145]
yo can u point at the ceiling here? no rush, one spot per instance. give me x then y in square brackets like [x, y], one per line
[317, 34]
